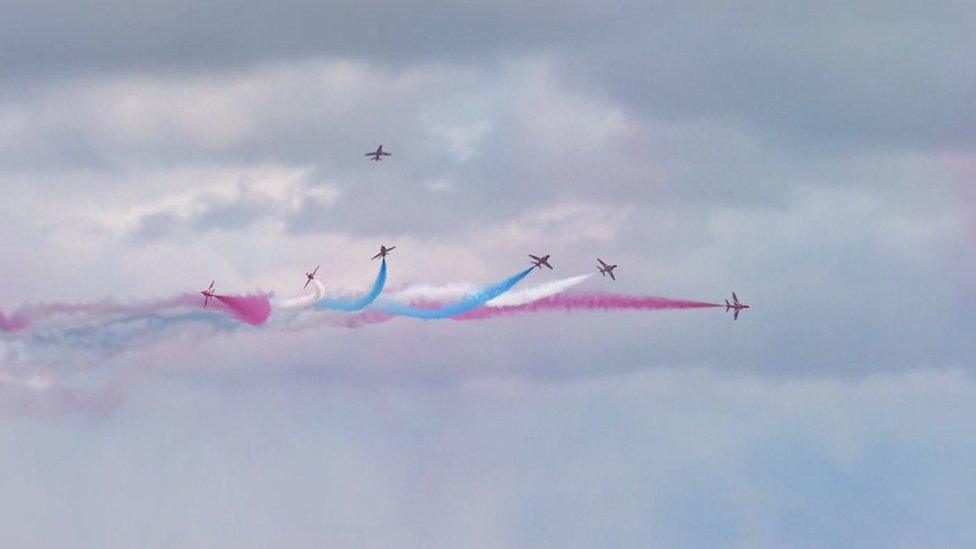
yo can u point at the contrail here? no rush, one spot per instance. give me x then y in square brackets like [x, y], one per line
[469, 302]
[592, 301]
[356, 304]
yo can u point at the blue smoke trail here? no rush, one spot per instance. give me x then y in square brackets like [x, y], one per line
[357, 304]
[470, 302]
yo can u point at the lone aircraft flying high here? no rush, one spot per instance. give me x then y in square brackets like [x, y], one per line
[377, 155]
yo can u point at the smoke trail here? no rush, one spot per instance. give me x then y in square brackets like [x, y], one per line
[303, 301]
[587, 301]
[13, 323]
[470, 302]
[357, 304]
[31, 314]
[107, 307]
[427, 293]
[253, 309]
[535, 293]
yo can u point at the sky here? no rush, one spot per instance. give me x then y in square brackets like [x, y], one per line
[819, 158]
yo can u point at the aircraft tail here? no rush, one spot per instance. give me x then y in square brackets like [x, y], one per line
[727, 305]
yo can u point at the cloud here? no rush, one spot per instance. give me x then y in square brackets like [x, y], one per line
[275, 196]
[509, 462]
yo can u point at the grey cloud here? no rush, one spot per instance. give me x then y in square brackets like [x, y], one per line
[828, 76]
[831, 76]
[57, 36]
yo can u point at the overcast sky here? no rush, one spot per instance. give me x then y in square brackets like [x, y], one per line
[816, 157]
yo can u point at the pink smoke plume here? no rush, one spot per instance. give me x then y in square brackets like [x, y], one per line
[253, 309]
[13, 323]
[591, 301]
[587, 301]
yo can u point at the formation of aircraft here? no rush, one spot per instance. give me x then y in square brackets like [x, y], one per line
[383, 251]
[537, 262]
[735, 305]
[606, 269]
[378, 154]
[208, 293]
[311, 276]
[540, 261]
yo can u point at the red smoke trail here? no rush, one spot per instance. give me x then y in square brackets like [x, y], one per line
[590, 301]
[253, 309]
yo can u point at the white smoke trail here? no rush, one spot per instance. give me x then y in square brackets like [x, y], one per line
[426, 292]
[535, 293]
[302, 301]
[511, 298]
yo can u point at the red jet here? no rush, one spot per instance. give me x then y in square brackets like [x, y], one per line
[311, 276]
[735, 305]
[606, 269]
[378, 154]
[383, 251]
[540, 261]
[208, 293]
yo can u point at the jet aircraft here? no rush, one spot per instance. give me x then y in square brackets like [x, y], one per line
[606, 269]
[208, 293]
[735, 305]
[311, 276]
[383, 251]
[540, 261]
[378, 154]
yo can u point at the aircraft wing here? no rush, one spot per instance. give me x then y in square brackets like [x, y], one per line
[306, 283]
[316, 270]
[535, 258]
[735, 298]
[377, 255]
[601, 262]
[736, 315]
[613, 277]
